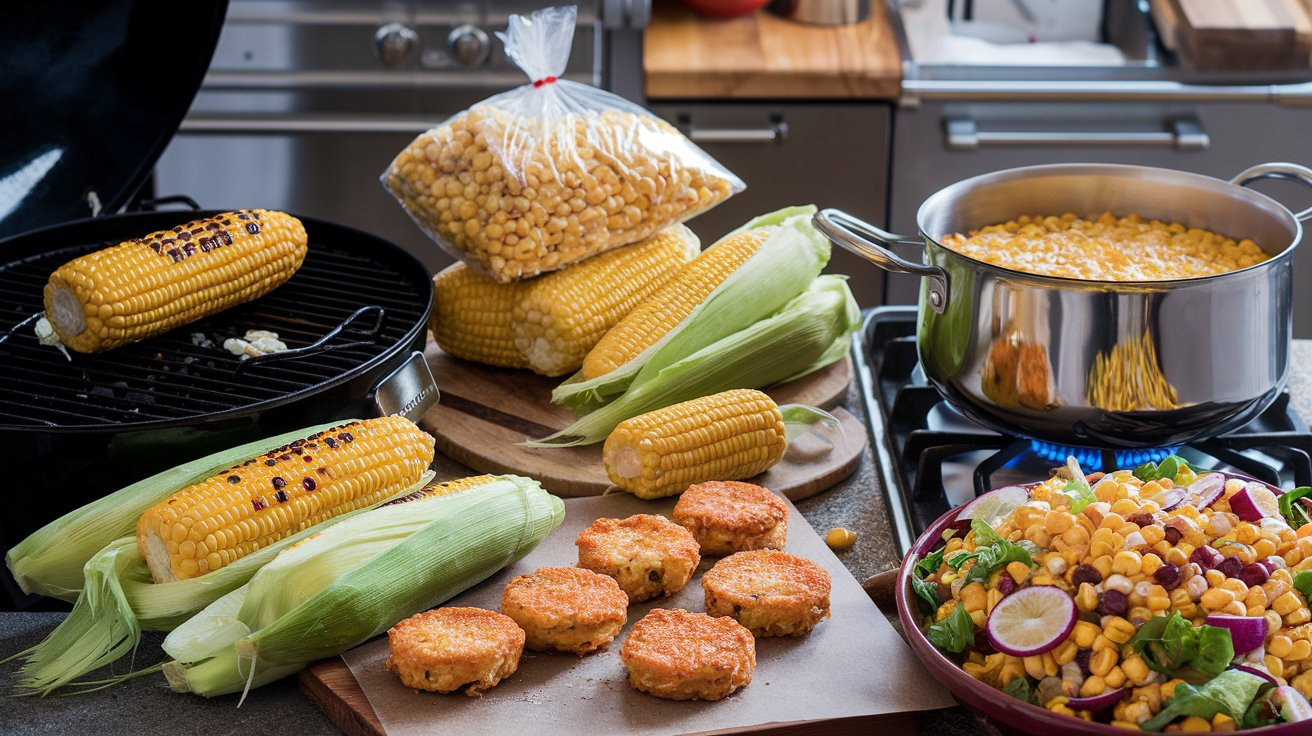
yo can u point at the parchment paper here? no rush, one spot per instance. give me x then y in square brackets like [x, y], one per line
[852, 664]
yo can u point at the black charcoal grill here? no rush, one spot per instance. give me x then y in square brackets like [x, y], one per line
[73, 430]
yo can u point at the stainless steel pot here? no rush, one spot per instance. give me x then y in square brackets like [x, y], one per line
[1099, 363]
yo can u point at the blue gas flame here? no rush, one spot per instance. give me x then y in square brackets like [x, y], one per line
[1092, 458]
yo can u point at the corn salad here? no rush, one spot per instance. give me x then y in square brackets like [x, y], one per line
[1107, 248]
[1124, 561]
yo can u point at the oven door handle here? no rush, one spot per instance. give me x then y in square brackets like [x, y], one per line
[206, 124]
[963, 134]
[776, 132]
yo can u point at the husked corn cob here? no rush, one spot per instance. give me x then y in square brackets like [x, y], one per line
[215, 522]
[726, 436]
[445, 488]
[549, 323]
[472, 316]
[669, 305]
[564, 314]
[147, 286]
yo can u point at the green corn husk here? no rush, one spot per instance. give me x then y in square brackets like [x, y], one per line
[813, 330]
[355, 580]
[49, 562]
[120, 600]
[783, 267]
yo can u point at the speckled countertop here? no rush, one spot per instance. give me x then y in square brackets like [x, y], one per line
[146, 706]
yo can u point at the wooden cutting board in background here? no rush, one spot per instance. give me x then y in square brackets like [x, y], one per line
[1237, 34]
[484, 413]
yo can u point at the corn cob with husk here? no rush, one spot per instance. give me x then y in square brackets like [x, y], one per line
[810, 332]
[731, 435]
[745, 277]
[355, 580]
[385, 458]
[548, 324]
[147, 286]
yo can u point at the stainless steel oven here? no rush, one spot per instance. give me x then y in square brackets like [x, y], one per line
[307, 101]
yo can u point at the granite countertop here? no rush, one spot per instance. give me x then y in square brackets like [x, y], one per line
[146, 706]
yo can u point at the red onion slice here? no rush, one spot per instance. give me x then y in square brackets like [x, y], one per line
[1099, 702]
[1246, 632]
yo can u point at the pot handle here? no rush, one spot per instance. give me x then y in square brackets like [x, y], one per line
[872, 244]
[409, 391]
[1280, 170]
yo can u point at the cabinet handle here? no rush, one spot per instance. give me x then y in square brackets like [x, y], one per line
[775, 133]
[1186, 135]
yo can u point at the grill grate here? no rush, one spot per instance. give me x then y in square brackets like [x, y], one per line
[168, 377]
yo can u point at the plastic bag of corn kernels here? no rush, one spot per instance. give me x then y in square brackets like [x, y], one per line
[553, 172]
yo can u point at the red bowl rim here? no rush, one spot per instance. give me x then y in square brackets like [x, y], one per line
[1011, 711]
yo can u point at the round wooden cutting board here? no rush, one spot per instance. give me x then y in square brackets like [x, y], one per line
[485, 413]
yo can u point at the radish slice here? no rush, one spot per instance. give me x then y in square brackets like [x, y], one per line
[1259, 672]
[1208, 488]
[1099, 702]
[995, 505]
[1294, 708]
[1172, 498]
[1246, 632]
[1032, 621]
[1255, 502]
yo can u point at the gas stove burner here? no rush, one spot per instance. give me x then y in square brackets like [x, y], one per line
[931, 458]
[1089, 457]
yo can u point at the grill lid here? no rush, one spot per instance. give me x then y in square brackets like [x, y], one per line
[94, 91]
[186, 373]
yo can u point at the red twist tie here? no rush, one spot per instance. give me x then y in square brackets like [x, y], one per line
[544, 81]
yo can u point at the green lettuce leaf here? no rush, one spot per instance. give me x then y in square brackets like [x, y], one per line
[954, 633]
[1231, 692]
[1173, 646]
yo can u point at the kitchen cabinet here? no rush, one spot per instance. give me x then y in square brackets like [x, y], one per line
[832, 154]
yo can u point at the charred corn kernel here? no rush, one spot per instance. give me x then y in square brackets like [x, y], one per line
[1223, 722]
[726, 436]
[1127, 562]
[1018, 571]
[1286, 603]
[210, 524]
[1086, 598]
[1115, 678]
[656, 315]
[973, 597]
[1093, 685]
[1195, 724]
[1085, 634]
[1102, 661]
[1118, 630]
[149, 285]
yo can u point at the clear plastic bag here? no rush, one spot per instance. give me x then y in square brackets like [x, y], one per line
[552, 172]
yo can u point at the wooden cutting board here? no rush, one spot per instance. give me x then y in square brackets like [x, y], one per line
[1240, 34]
[484, 414]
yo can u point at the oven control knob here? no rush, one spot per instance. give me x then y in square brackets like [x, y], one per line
[395, 43]
[470, 45]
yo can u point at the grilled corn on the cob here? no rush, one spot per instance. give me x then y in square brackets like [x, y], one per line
[549, 323]
[210, 524]
[147, 286]
[726, 436]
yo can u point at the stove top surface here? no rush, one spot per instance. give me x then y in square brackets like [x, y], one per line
[931, 458]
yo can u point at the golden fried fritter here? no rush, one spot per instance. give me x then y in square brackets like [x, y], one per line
[447, 648]
[727, 516]
[772, 593]
[688, 656]
[566, 609]
[648, 555]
